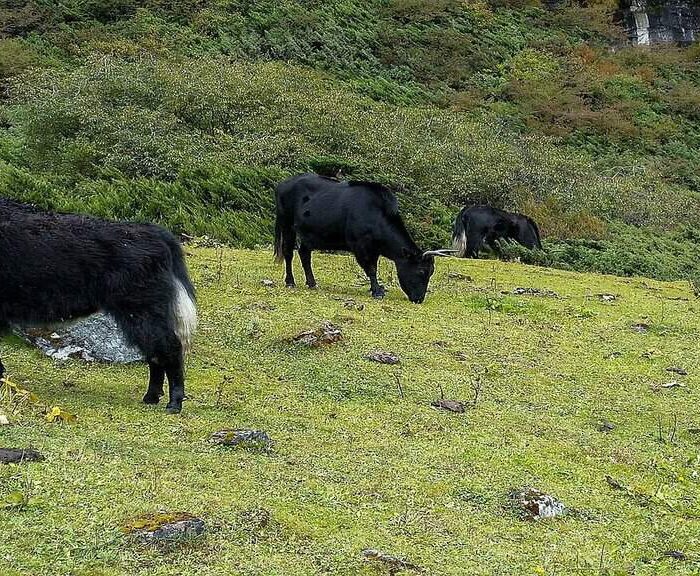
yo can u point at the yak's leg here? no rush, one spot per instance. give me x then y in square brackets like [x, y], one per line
[2, 369]
[305, 257]
[475, 239]
[151, 332]
[175, 369]
[155, 384]
[288, 243]
[368, 262]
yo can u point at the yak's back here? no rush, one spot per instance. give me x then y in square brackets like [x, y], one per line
[386, 198]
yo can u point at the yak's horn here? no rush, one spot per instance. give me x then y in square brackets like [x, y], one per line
[440, 252]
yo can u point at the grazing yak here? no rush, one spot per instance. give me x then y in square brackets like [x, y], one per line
[482, 226]
[55, 267]
[358, 217]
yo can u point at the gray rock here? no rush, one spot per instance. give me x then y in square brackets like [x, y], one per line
[535, 504]
[650, 22]
[19, 455]
[605, 426]
[165, 527]
[96, 338]
[383, 357]
[250, 439]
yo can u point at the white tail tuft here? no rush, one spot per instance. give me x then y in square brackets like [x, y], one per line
[460, 244]
[184, 315]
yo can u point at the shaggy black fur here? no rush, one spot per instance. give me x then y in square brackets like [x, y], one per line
[478, 227]
[55, 267]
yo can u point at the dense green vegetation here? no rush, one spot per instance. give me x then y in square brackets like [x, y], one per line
[356, 464]
[188, 112]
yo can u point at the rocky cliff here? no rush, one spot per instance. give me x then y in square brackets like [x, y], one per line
[662, 21]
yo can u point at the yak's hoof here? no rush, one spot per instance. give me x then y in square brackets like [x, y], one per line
[174, 408]
[148, 399]
[379, 293]
[290, 285]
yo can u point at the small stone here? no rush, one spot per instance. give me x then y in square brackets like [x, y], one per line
[327, 333]
[640, 327]
[4, 420]
[534, 292]
[535, 504]
[449, 405]
[607, 297]
[383, 357]
[393, 563]
[352, 305]
[267, 283]
[614, 354]
[19, 455]
[668, 385]
[605, 426]
[243, 438]
[165, 527]
[677, 370]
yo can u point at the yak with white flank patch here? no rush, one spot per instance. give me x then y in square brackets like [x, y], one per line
[480, 227]
[359, 217]
[56, 267]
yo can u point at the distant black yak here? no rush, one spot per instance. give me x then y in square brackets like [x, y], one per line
[483, 226]
[55, 267]
[360, 217]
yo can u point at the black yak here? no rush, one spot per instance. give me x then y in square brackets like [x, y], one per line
[56, 267]
[480, 227]
[359, 217]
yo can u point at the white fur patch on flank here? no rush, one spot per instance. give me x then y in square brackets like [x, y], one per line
[460, 244]
[185, 315]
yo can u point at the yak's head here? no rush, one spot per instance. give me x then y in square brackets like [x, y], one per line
[528, 233]
[414, 271]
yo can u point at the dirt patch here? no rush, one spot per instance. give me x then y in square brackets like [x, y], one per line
[449, 405]
[327, 333]
[391, 563]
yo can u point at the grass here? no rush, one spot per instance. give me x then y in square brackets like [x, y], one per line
[357, 466]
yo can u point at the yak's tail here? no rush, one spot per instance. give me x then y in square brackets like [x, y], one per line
[183, 306]
[459, 237]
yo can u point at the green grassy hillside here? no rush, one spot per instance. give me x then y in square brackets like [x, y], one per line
[355, 465]
[188, 112]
